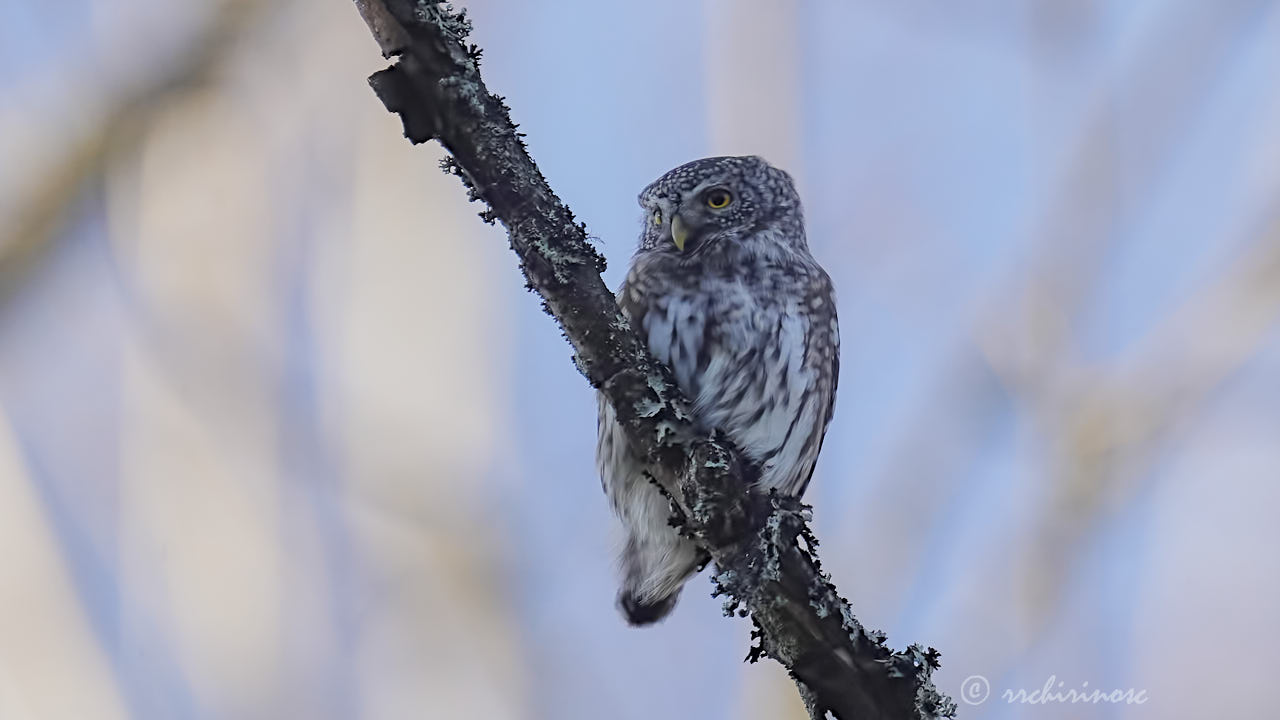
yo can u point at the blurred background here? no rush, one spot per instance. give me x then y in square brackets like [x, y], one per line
[281, 434]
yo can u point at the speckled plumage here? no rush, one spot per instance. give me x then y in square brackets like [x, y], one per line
[746, 319]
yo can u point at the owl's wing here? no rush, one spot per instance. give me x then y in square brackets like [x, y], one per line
[824, 355]
[821, 359]
[630, 300]
[617, 464]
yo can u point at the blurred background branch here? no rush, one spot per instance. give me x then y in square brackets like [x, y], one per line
[51, 191]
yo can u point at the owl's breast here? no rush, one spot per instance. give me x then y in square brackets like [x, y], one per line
[679, 334]
[733, 353]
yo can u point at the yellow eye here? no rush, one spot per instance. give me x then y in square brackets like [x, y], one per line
[719, 199]
[657, 217]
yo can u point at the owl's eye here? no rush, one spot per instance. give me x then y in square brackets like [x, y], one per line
[718, 199]
[657, 217]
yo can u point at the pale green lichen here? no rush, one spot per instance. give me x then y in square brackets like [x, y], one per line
[646, 407]
[657, 384]
[716, 463]
[620, 323]
[466, 90]
[441, 14]
[667, 431]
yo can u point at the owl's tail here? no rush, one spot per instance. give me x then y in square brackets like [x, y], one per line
[655, 568]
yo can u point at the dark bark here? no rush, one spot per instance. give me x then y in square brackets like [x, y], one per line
[761, 545]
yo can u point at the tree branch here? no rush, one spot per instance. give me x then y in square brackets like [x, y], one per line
[761, 545]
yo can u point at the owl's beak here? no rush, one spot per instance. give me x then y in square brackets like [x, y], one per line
[679, 232]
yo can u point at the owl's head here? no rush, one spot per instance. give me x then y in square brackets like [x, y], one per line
[722, 206]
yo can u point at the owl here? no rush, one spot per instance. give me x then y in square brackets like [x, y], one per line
[726, 294]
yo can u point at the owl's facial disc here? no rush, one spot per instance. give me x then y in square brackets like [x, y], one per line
[697, 215]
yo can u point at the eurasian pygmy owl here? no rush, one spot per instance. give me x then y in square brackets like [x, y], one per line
[726, 293]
